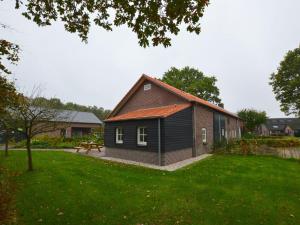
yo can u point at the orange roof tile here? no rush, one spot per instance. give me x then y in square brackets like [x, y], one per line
[158, 112]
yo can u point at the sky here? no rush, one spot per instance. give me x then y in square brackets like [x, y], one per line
[241, 44]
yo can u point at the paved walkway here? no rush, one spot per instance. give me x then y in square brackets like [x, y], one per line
[171, 167]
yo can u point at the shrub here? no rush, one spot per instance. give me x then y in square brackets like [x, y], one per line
[253, 145]
[58, 142]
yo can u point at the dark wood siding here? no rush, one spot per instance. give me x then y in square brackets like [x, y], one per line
[177, 131]
[130, 134]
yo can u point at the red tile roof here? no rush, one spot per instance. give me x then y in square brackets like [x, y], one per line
[158, 112]
[188, 96]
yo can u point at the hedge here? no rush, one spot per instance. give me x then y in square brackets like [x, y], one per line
[58, 142]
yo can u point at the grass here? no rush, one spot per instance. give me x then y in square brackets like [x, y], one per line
[72, 189]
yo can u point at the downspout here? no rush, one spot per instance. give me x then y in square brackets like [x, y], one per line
[159, 142]
[220, 131]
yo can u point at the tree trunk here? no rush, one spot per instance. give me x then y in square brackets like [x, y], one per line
[6, 145]
[28, 145]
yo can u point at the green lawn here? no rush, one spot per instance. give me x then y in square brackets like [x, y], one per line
[72, 189]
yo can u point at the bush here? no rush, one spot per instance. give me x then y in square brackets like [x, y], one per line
[277, 142]
[59, 142]
[252, 145]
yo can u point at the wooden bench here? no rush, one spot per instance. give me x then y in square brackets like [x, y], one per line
[78, 148]
[88, 147]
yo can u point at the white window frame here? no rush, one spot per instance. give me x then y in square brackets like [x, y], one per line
[222, 132]
[119, 135]
[141, 136]
[204, 135]
[147, 87]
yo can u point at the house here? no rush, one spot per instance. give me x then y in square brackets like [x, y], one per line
[159, 124]
[283, 126]
[74, 124]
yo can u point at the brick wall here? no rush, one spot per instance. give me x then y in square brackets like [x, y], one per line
[154, 97]
[203, 119]
[232, 125]
[149, 157]
[176, 156]
[133, 155]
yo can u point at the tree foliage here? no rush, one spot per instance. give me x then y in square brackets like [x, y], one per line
[8, 93]
[152, 20]
[194, 82]
[286, 83]
[252, 118]
[9, 52]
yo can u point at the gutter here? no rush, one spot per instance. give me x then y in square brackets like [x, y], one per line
[194, 129]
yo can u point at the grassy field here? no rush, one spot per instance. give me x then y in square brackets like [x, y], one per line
[72, 189]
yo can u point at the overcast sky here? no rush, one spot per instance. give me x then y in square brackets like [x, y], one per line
[241, 43]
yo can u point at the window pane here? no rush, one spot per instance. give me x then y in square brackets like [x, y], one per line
[141, 136]
[203, 134]
[119, 135]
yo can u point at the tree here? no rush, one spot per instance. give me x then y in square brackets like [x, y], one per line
[286, 83]
[8, 101]
[7, 129]
[34, 117]
[8, 94]
[56, 103]
[194, 82]
[8, 52]
[152, 20]
[252, 118]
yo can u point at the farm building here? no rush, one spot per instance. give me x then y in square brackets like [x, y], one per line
[159, 124]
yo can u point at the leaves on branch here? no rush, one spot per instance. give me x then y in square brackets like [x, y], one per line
[152, 20]
[286, 83]
[8, 51]
[252, 118]
[194, 82]
[8, 93]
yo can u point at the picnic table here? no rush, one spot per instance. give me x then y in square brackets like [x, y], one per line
[88, 146]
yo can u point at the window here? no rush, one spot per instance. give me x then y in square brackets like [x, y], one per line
[119, 135]
[204, 139]
[147, 87]
[223, 132]
[142, 136]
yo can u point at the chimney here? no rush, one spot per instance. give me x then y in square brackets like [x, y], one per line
[221, 105]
